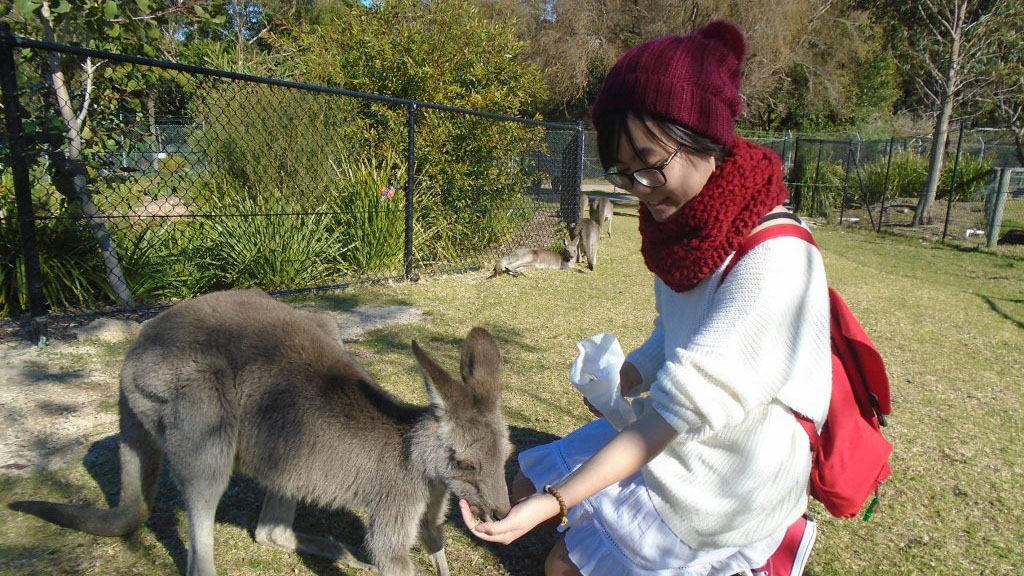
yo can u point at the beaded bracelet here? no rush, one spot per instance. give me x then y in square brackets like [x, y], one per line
[562, 509]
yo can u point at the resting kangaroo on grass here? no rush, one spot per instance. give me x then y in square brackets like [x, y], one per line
[522, 259]
[238, 381]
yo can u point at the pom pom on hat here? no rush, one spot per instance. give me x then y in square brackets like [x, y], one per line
[693, 80]
[727, 34]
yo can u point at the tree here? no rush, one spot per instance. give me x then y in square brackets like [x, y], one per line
[945, 47]
[1005, 102]
[1008, 103]
[807, 49]
[128, 26]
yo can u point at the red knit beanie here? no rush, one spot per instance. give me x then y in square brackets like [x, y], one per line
[693, 80]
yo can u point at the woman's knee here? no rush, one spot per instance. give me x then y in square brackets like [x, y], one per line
[558, 562]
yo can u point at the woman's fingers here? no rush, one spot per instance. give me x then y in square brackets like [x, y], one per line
[467, 516]
[593, 410]
[523, 517]
[484, 530]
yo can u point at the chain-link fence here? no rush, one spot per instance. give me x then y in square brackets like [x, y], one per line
[877, 183]
[142, 182]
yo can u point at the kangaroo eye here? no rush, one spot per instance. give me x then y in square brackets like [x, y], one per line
[465, 466]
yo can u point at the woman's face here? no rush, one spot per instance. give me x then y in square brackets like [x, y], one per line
[685, 174]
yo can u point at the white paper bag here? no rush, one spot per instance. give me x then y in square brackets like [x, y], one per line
[595, 373]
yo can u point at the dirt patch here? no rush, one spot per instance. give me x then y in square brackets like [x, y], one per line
[56, 400]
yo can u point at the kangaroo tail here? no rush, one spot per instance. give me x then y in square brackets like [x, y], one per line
[140, 473]
[101, 522]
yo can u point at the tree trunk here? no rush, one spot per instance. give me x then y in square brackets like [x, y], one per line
[154, 146]
[72, 182]
[71, 178]
[1018, 139]
[922, 214]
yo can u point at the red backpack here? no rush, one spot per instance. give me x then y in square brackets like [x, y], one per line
[851, 456]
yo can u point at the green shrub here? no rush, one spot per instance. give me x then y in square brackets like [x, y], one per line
[907, 176]
[470, 188]
[71, 267]
[973, 175]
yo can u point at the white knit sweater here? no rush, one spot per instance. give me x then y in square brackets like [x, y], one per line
[724, 365]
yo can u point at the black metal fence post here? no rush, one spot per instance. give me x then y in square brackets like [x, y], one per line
[846, 183]
[579, 163]
[885, 184]
[22, 185]
[795, 169]
[863, 190]
[953, 185]
[409, 187]
[817, 170]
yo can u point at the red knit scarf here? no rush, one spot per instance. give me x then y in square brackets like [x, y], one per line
[696, 240]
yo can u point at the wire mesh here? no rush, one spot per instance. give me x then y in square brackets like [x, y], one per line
[151, 184]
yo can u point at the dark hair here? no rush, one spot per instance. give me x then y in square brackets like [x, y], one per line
[613, 127]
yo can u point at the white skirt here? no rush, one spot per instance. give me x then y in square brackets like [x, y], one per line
[618, 532]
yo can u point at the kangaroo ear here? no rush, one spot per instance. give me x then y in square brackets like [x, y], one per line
[440, 386]
[481, 365]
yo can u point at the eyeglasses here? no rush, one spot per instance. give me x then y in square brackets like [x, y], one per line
[651, 177]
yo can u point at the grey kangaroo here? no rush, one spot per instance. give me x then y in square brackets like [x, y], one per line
[589, 233]
[238, 381]
[522, 259]
[601, 212]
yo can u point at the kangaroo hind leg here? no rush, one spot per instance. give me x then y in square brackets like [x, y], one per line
[275, 529]
[140, 456]
[199, 442]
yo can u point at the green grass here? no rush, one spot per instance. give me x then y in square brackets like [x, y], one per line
[949, 322]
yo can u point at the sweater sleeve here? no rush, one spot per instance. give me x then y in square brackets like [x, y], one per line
[649, 357]
[765, 326]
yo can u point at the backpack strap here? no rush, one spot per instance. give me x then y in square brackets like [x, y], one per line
[748, 244]
[767, 233]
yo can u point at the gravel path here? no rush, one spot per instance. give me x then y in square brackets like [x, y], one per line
[56, 400]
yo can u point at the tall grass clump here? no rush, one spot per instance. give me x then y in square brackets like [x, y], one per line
[371, 208]
[69, 258]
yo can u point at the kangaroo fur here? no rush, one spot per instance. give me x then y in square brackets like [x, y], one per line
[237, 381]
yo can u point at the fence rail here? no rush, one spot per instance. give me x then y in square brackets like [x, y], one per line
[257, 182]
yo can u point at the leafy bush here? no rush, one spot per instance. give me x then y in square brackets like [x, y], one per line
[972, 177]
[470, 191]
[907, 174]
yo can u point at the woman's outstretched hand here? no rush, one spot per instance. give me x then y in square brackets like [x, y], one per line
[523, 517]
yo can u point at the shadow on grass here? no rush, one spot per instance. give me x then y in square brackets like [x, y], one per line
[992, 303]
[241, 502]
[239, 505]
[440, 341]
